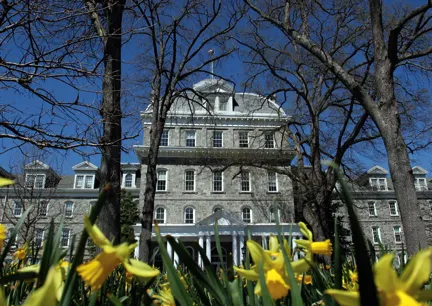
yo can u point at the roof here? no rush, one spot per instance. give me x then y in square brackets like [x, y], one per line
[85, 165]
[377, 170]
[222, 217]
[419, 170]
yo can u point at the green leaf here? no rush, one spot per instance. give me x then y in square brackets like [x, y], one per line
[265, 295]
[337, 257]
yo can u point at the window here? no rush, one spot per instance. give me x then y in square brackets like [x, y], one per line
[397, 234]
[269, 140]
[79, 181]
[18, 209]
[272, 182]
[245, 181]
[372, 209]
[161, 180]
[65, 238]
[216, 209]
[393, 208]
[189, 215]
[39, 237]
[273, 215]
[128, 180]
[246, 215]
[420, 183]
[35, 181]
[378, 183]
[376, 234]
[88, 181]
[243, 140]
[223, 104]
[190, 138]
[217, 139]
[69, 209]
[190, 180]
[160, 215]
[43, 208]
[217, 181]
[164, 141]
[84, 181]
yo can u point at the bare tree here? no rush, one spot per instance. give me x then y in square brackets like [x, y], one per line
[402, 41]
[177, 42]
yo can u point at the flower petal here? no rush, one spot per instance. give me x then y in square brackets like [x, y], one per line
[45, 295]
[6, 182]
[386, 277]
[140, 269]
[248, 274]
[273, 244]
[95, 233]
[305, 231]
[258, 254]
[417, 272]
[344, 298]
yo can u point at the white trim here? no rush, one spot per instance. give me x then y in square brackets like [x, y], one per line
[194, 138]
[276, 182]
[222, 138]
[14, 208]
[378, 184]
[250, 213]
[164, 214]
[47, 208]
[247, 139]
[68, 238]
[399, 232]
[35, 175]
[89, 166]
[213, 181]
[166, 179]
[374, 208]
[184, 215]
[249, 180]
[72, 210]
[185, 180]
[395, 207]
[42, 239]
[168, 137]
[379, 234]
[84, 176]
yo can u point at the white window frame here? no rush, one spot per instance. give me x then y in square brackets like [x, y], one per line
[42, 182]
[68, 237]
[15, 209]
[214, 139]
[186, 180]
[34, 181]
[243, 144]
[397, 231]
[418, 185]
[374, 208]
[375, 183]
[126, 181]
[41, 203]
[84, 181]
[243, 214]
[193, 215]
[267, 143]
[71, 210]
[39, 230]
[226, 100]
[378, 234]
[221, 181]
[191, 135]
[166, 179]
[395, 208]
[269, 183]
[88, 182]
[164, 137]
[248, 181]
[164, 215]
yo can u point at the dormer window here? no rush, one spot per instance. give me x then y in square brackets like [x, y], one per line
[420, 183]
[223, 104]
[84, 181]
[35, 181]
[128, 180]
[378, 183]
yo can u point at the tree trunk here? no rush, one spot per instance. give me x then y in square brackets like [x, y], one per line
[109, 218]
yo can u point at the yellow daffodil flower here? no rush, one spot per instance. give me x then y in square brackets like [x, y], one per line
[21, 253]
[96, 271]
[307, 279]
[273, 266]
[6, 182]
[405, 290]
[3, 235]
[165, 297]
[44, 295]
[321, 247]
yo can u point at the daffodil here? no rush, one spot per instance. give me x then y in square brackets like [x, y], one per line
[320, 247]
[165, 297]
[6, 182]
[274, 267]
[405, 290]
[96, 271]
[21, 253]
[44, 295]
[307, 279]
[3, 235]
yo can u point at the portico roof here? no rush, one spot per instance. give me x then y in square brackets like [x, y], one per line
[222, 217]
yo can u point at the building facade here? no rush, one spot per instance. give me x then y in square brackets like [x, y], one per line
[222, 159]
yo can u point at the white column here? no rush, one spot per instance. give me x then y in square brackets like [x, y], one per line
[136, 251]
[234, 249]
[201, 244]
[169, 250]
[208, 246]
[242, 245]
[176, 259]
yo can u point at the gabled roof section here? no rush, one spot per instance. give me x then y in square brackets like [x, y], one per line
[85, 165]
[213, 85]
[37, 164]
[377, 170]
[417, 170]
[222, 217]
[130, 166]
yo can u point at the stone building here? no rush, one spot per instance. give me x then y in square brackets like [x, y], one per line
[221, 159]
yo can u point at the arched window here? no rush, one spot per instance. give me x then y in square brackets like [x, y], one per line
[247, 215]
[128, 180]
[160, 215]
[156, 259]
[216, 209]
[189, 215]
[162, 179]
